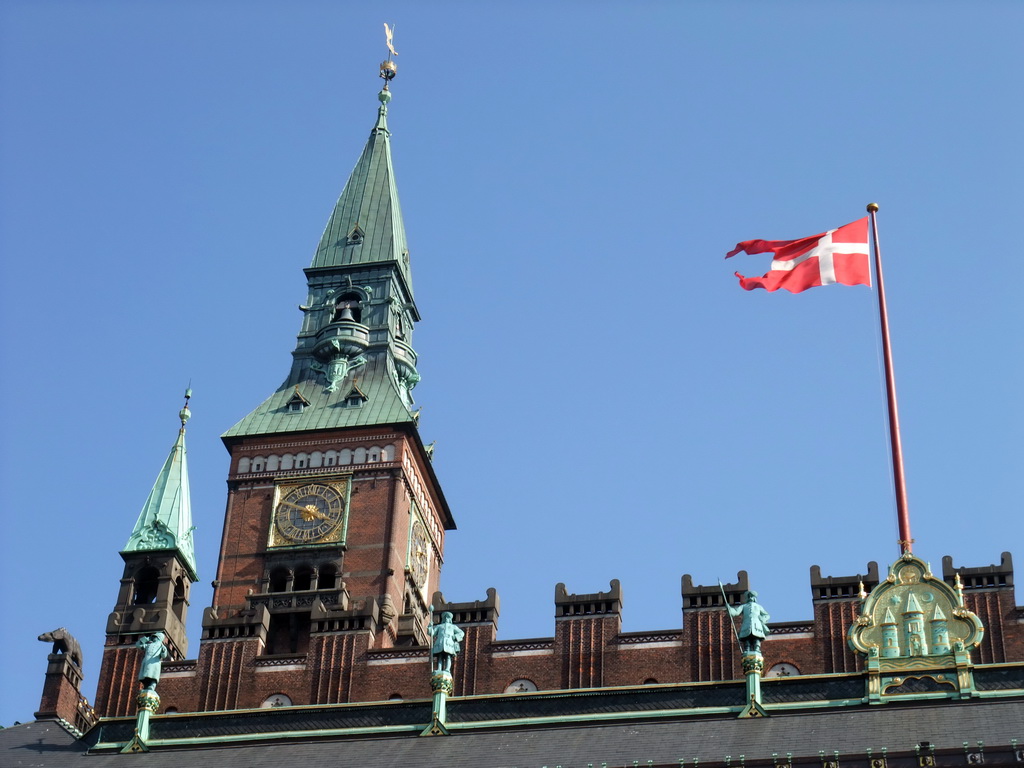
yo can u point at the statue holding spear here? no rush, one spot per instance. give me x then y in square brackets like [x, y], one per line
[754, 627]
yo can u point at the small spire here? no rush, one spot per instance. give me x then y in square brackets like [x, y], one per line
[913, 606]
[165, 522]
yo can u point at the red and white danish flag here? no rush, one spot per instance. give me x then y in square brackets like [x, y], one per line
[837, 256]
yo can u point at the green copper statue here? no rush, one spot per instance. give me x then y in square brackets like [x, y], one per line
[153, 653]
[447, 637]
[754, 628]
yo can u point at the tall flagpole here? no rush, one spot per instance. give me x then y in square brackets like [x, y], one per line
[899, 480]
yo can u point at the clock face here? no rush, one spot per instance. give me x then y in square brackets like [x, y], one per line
[308, 514]
[419, 554]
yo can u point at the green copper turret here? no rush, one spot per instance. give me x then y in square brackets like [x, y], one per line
[353, 364]
[165, 522]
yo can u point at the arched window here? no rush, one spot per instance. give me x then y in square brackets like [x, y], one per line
[146, 581]
[244, 463]
[279, 580]
[303, 579]
[180, 598]
[522, 685]
[782, 669]
[277, 700]
[328, 577]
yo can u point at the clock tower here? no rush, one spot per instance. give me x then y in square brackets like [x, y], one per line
[335, 521]
[333, 535]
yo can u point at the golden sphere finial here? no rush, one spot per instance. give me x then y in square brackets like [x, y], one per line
[872, 207]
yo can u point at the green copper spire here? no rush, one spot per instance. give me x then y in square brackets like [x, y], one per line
[166, 518]
[366, 224]
[353, 364]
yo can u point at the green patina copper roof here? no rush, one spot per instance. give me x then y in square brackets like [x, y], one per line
[359, 369]
[366, 225]
[328, 410]
[166, 518]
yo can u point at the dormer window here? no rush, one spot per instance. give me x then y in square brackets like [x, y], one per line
[297, 403]
[354, 399]
[355, 236]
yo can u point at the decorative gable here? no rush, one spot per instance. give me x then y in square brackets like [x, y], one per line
[916, 634]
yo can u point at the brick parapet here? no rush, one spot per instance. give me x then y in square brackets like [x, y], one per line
[842, 587]
[988, 591]
[345, 662]
[710, 648]
[698, 596]
[478, 612]
[984, 577]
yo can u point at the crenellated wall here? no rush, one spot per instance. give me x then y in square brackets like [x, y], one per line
[588, 648]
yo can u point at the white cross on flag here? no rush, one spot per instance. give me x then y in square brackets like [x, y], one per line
[837, 256]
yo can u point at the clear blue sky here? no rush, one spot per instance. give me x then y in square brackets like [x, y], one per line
[607, 403]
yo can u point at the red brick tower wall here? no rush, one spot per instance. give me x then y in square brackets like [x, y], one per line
[118, 682]
[836, 605]
[62, 697]
[988, 592]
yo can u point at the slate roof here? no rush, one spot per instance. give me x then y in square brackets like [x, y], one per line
[599, 705]
[850, 731]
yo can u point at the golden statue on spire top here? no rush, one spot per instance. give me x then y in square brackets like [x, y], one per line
[388, 69]
[389, 33]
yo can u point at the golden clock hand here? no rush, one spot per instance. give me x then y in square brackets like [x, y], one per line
[308, 512]
[293, 506]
